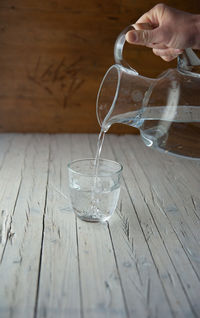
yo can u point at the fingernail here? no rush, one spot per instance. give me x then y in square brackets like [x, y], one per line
[131, 36]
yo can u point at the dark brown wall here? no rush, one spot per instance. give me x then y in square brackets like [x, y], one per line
[54, 53]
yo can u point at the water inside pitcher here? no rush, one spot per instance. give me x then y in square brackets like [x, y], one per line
[166, 110]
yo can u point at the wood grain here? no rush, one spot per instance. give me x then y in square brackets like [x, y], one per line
[59, 288]
[54, 54]
[140, 280]
[20, 258]
[144, 262]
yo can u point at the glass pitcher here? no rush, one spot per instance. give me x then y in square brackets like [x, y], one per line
[166, 110]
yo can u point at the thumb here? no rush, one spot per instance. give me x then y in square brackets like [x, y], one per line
[142, 37]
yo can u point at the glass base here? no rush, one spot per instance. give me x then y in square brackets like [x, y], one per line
[93, 218]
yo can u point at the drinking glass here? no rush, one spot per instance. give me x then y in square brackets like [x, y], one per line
[94, 196]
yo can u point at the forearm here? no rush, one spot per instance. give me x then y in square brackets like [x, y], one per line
[197, 32]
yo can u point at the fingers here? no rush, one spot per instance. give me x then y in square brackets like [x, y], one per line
[153, 16]
[168, 54]
[168, 58]
[157, 46]
[144, 37]
[143, 26]
[148, 26]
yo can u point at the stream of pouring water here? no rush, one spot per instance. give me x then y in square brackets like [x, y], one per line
[98, 152]
[100, 141]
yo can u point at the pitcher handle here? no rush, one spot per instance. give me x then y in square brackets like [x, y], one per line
[188, 60]
[119, 46]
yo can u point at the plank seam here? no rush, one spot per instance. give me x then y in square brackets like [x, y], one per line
[42, 241]
[10, 225]
[79, 271]
[118, 272]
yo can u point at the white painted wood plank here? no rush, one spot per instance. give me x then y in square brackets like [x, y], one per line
[141, 284]
[186, 272]
[187, 187]
[168, 274]
[59, 294]
[12, 164]
[101, 291]
[176, 174]
[5, 145]
[171, 201]
[181, 215]
[143, 263]
[20, 263]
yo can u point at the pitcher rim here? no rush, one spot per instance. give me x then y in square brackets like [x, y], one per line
[118, 68]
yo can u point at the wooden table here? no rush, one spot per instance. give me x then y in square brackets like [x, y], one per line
[145, 262]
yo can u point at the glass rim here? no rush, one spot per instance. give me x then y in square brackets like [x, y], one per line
[93, 175]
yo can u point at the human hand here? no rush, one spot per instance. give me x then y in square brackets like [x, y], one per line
[167, 31]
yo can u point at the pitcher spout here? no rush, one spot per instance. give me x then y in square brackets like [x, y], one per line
[121, 96]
